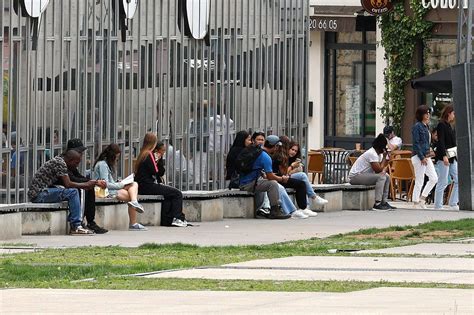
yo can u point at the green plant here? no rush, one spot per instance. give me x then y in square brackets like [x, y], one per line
[401, 33]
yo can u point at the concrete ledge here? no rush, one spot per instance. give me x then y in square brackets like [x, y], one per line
[10, 226]
[44, 222]
[203, 210]
[358, 197]
[239, 207]
[152, 215]
[112, 216]
[334, 199]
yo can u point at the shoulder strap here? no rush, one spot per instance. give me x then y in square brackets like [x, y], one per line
[153, 161]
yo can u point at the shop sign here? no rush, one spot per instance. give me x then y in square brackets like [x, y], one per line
[444, 4]
[377, 7]
[332, 24]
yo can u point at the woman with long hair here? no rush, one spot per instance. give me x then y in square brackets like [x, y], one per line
[149, 168]
[421, 158]
[242, 140]
[105, 168]
[294, 168]
[446, 165]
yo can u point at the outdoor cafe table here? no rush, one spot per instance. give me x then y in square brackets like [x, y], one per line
[336, 166]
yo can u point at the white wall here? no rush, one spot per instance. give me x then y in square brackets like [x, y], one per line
[335, 2]
[381, 64]
[316, 91]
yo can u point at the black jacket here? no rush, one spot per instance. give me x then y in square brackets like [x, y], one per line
[446, 140]
[147, 174]
[230, 162]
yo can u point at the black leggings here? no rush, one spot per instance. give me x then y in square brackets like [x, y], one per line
[171, 207]
[89, 205]
[300, 188]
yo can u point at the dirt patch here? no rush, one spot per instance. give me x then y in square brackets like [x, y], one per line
[419, 234]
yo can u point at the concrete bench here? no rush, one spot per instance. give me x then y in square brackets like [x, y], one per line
[10, 221]
[113, 214]
[33, 218]
[358, 197]
[202, 206]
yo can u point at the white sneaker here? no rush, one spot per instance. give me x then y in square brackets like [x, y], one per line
[309, 212]
[318, 202]
[420, 205]
[299, 214]
[137, 227]
[179, 223]
[455, 207]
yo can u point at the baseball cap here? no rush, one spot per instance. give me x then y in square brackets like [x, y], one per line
[273, 140]
[387, 130]
[75, 144]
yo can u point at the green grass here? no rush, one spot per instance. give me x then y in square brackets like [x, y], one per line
[60, 268]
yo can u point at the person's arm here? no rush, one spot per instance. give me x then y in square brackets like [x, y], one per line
[268, 169]
[441, 145]
[416, 135]
[379, 167]
[103, 172]
[161, 167]
[70, 184]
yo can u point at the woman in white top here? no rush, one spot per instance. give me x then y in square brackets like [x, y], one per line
[369, 169]
[103, 169]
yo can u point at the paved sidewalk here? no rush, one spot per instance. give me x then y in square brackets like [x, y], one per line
[251, 231]
[374, 301]
[339, 268]
[449, 249]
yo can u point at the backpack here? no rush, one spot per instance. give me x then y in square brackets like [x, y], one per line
[246, 159]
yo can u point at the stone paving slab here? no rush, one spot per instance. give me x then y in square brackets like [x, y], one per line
[340, 268]
[374, 301]
[250, 231]
[451, 249]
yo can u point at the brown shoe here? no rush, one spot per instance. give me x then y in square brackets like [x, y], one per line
[79, 230]
[276, 213]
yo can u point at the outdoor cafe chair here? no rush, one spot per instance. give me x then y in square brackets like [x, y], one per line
[401, 170]
[316, 165]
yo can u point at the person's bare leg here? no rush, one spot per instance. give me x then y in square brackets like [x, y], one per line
[124, 195]
[132, 191]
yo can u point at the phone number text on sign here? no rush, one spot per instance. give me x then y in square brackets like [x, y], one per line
[323, 24]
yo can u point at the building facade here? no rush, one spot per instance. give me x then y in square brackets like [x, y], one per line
[346, 72]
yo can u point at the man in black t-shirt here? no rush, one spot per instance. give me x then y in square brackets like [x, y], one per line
[89, 194]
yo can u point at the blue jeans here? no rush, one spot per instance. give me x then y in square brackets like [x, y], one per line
[443, 175]
[71, 195]
[286, 204]
[303, 177]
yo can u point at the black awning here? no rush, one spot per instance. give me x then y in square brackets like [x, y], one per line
[438, 82]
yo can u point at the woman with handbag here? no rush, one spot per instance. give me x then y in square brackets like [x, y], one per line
[149, 168]
[446, 161]
[421, 158]
[104, 169]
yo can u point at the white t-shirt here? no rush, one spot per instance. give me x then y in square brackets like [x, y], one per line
[362, 164]
[396, 141]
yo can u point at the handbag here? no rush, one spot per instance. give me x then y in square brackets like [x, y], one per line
[101, 192]
[452, 152]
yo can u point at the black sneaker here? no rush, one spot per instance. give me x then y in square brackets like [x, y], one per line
[389, 205]
[380, 207]
[276, 213]
[262, 213]
[97, 229]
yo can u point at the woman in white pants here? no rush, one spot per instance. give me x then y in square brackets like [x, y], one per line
[421, 158]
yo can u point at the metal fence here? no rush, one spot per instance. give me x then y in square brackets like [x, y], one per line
[74, 73]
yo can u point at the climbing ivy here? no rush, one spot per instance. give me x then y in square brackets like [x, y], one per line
[401, 32]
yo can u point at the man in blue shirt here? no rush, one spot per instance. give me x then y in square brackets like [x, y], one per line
[262, 178]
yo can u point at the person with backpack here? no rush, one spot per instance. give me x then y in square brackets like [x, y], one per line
[254, 165]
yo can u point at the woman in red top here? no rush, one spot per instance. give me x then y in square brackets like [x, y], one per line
[149, 169]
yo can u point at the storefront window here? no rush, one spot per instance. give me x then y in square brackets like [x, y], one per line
[350, 89]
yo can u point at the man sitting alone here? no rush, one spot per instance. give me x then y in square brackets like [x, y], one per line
[42, 191]
[369, 169]
[255, 182]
